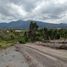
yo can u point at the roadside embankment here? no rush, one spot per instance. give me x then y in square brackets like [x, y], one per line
[54, 44]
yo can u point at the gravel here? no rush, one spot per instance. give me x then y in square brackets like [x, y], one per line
[11, 58]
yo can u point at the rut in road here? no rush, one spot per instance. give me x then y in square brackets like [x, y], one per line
[30, 60]
[42, 59]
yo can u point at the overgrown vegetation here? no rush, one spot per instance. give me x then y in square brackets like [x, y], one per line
[34, 33]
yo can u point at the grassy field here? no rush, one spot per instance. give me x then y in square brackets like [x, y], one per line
[5, 44]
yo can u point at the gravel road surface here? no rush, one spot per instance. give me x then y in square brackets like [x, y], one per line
[32, 55]
[11, 58]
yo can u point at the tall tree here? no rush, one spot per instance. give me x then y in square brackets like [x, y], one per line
[46, 37]
[32, 30]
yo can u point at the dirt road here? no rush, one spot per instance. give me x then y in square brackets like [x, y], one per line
[32, 55]
[11, 58]
[47, 59]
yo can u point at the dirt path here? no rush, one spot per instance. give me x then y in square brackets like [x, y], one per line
[32, 55]
[44, 59]
[55, 52]
[11, 58]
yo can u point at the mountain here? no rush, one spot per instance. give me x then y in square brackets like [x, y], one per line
[25, 25]
[15, 25]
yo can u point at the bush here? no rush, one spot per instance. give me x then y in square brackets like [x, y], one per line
[23, 40]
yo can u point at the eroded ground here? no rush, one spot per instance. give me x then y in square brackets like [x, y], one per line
[11, 58]
[32, 55]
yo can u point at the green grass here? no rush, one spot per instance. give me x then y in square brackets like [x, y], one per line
[5, 44]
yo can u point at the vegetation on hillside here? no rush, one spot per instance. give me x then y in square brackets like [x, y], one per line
[34, 33]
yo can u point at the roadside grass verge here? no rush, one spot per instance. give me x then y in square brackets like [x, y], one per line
[6, 44]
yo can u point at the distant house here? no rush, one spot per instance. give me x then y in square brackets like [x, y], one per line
[18, 30]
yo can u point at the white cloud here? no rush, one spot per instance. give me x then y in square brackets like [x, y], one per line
[53, 11]
[17, 10]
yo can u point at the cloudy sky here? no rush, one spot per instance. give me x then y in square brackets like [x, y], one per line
[52, 11]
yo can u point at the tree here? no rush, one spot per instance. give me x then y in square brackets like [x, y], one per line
[45, 34]
[32, 30]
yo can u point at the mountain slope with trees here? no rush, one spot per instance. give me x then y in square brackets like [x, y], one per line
[25, 25]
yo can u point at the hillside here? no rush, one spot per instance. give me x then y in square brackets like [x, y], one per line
[25, 25]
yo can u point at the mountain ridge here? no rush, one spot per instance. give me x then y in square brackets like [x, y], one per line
[25, 25]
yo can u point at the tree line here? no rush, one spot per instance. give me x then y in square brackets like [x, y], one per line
[43, 34]
[34, 33]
